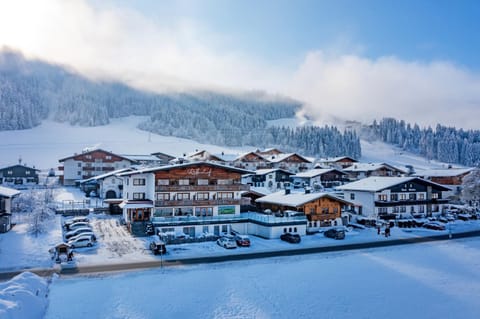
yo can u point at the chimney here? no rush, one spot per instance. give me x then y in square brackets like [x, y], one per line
[287, 191]
[307, 190]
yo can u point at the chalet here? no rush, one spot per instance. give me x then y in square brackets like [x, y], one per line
[340, 162]
[362, 170]
[273, 179]
[450, 177]
[188, 199]
[18, 175]
[146, 160]
[320, 209]
[204, 156]
[90, 163]
[251, 161]
[6, 196]
[164, 158]
[384, 197]
[291, 162]
[106, 186]
[320, 178]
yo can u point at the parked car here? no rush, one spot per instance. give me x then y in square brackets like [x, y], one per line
[434, 226]
[158, 247]
[78, 225]
[77, 231]
[335, 233]
[86, 234]
[242, 240]
[463, 217]
[227, 242]
[291, 238]
[82, 241]
[75, 219]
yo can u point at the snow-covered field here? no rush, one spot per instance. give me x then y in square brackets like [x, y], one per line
[433, 280]
[54, 141]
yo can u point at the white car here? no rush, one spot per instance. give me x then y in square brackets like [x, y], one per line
[75, 219]
[86, 234]
[227, 242]
[77, 231]
[78, 225]
[82, 241]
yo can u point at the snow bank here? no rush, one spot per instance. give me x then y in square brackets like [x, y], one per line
[24, 296]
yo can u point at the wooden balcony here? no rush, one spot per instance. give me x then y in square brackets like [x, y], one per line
[202, 188]
[208, 202]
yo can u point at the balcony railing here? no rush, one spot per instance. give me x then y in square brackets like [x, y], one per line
[206, 202]
[202, 188]
[381, 203]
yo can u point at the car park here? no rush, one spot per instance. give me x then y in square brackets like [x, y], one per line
[86, 234]
[158, 247]
[82, 241]
[434, 226]
[77, 231]
[242, 240]
[335, 233]
[291, 238]
[227, 242]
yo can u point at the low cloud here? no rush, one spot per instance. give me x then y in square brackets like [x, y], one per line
[123, 44]
[356, 88]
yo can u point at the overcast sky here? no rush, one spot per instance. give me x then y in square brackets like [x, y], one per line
[358, 60]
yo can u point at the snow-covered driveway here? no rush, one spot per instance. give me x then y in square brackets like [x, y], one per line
[114, 243]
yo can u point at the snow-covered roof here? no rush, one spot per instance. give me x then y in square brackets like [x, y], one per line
[449, 172]
[136, 204]
[337, 159]
[102, 176]
[281, 157]
[316, 172]
[173, 166]
[148, 157]
[90, 151]
[369, 167]
[378, 183]
[260, 190]
[239, 157]
[295, 199]
[265, 171]
[8, 192]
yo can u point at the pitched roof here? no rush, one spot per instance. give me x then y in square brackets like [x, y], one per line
[316, 172]
[369, 167]
[102, 176]
[92, 151]
[8, 192]
[296, 199]
[265, 171]
[21, 165]
[449, 172]
[281, 157]
[170, 167]
[379, 183]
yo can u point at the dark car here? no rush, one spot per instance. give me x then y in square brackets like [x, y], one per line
[335, 233]
[434, 226]
[158, 247]
[242, 240]
[291, 238]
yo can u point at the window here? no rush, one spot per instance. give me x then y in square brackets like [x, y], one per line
[163, 196]
[335, 210]
[202, 196]
[79, 164]
[79, 173]
[139, 181]
[27, 172]
[228, 195]
[163, 182]
[203, 211]
[421, 209]
[184, 182]
[202, 181]
[164, 212]
[403, 209]
[382, 197]
[421, 196]
[394, 197]
[403, 196]
[10, 172]
[382, 210]
[324, 210]
[352, 196]
[312, 210]
[294, 229]
[434, 195]
[138, 196]
[395, 209]
[284, 230]
[289, 229]
[183, 196]
[412, 196]
[225, 182]
[88, 156]
[205, 229]
[108, 157]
